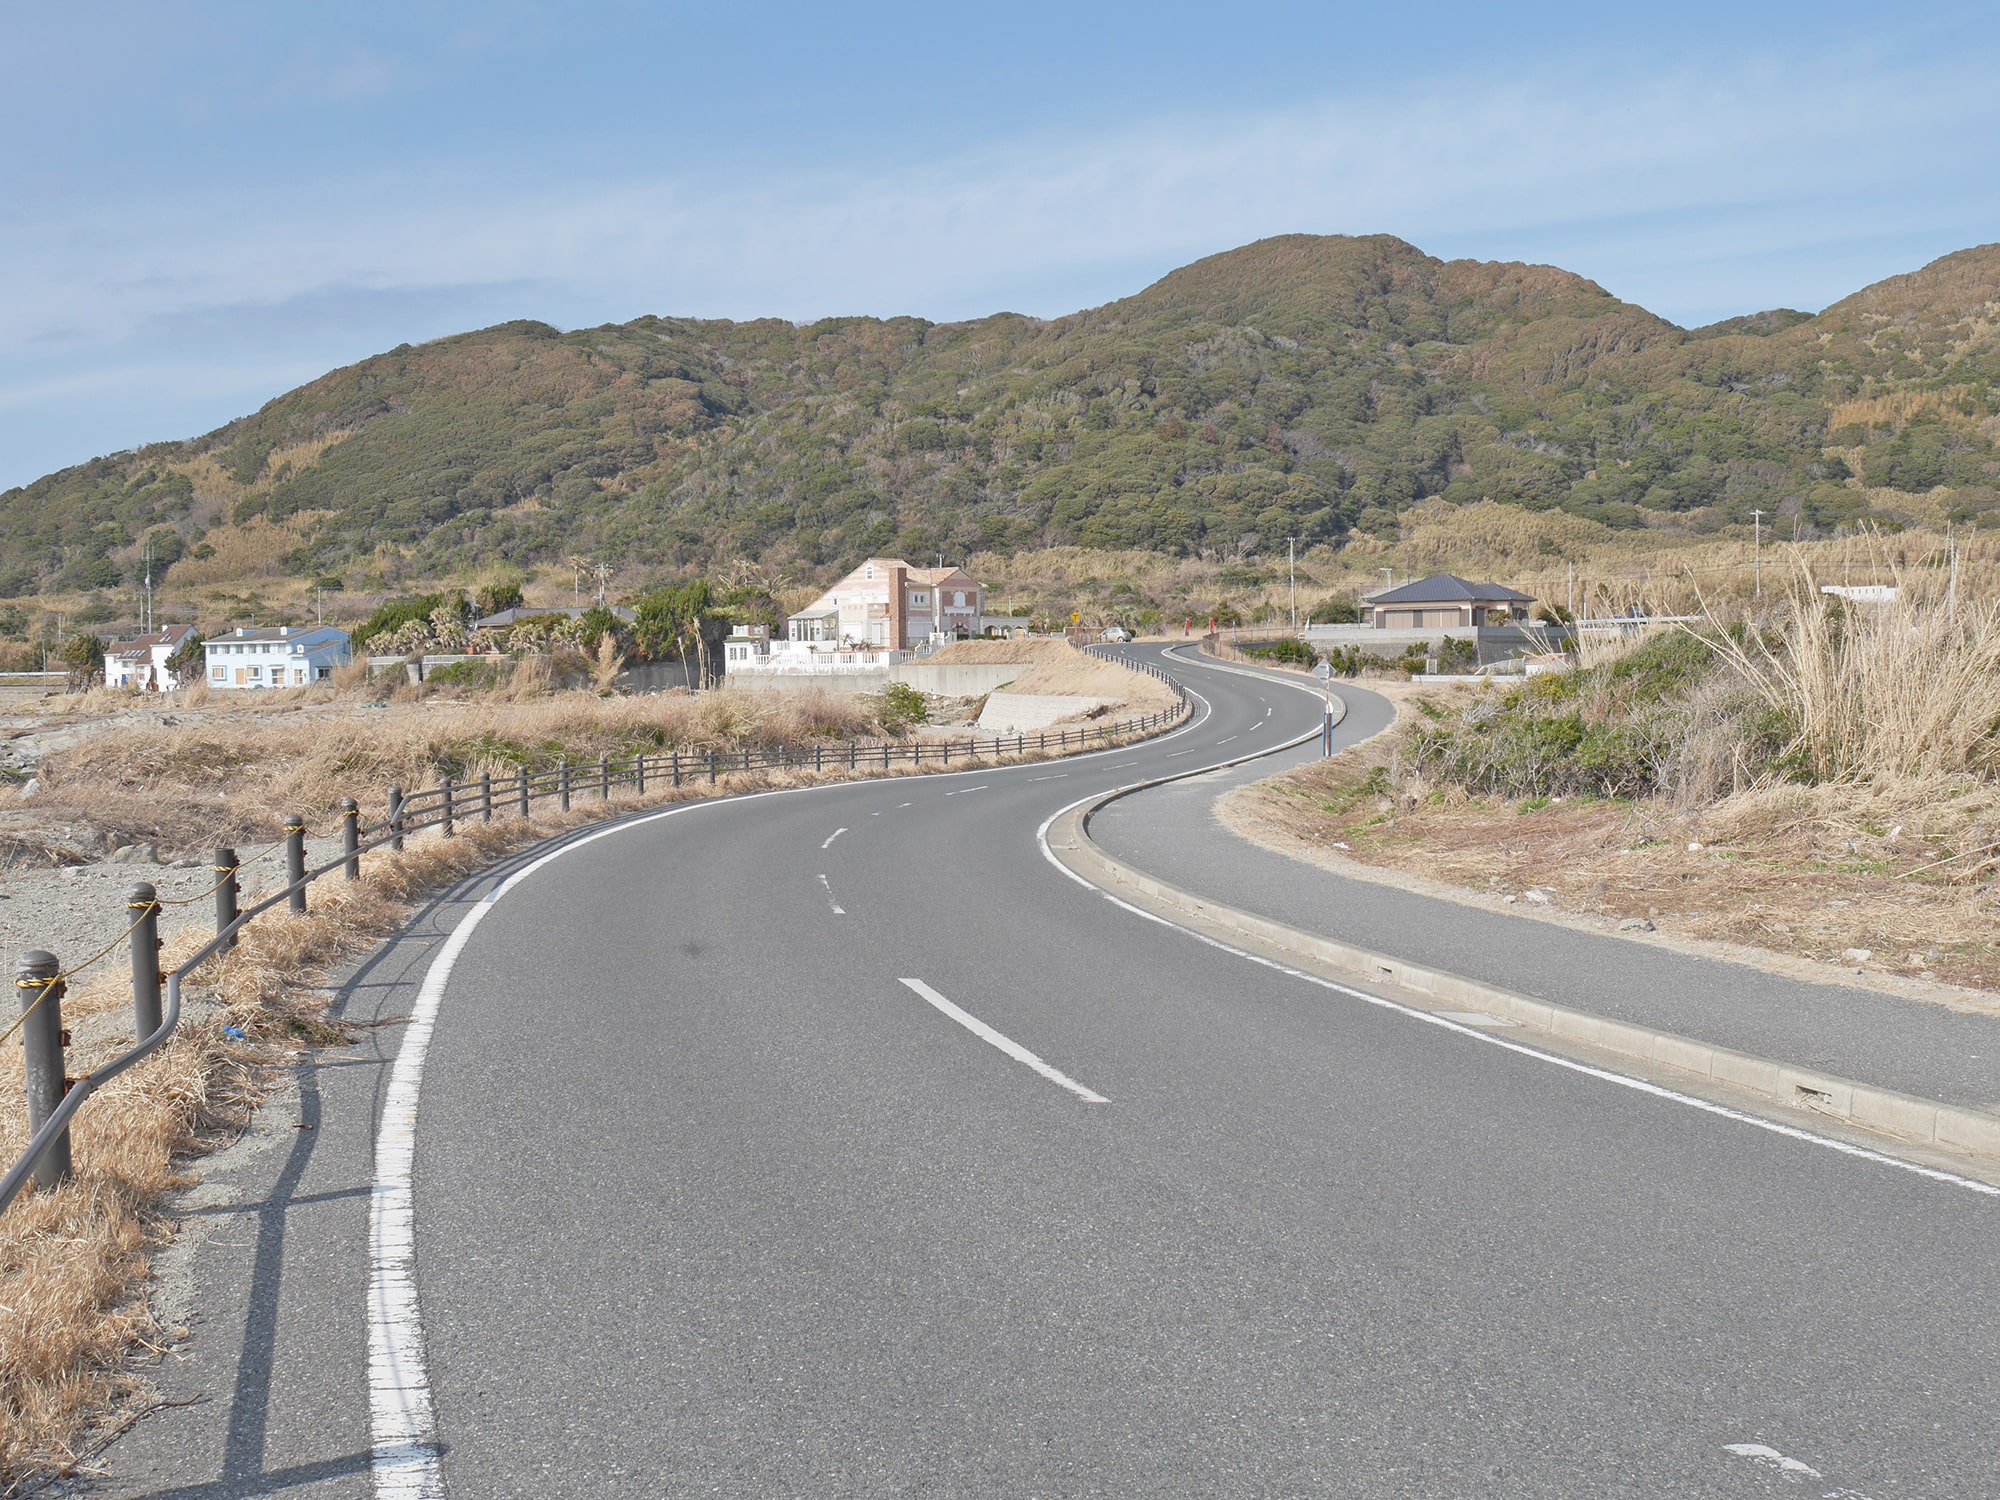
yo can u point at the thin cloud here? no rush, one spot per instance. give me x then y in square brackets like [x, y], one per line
[1696, 194]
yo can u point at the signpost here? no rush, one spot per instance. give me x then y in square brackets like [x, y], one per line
[1324, 672]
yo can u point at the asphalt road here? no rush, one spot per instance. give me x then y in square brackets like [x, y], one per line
[714, 1197]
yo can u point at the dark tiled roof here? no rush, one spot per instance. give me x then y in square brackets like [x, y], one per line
[270, 633]
[1443, 588]
[139, 645]
[509, 617]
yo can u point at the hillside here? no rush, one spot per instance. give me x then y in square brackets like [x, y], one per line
[1301, 386]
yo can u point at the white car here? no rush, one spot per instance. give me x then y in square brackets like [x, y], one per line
[1118, 633]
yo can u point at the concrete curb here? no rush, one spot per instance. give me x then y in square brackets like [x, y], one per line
[1904, 1116]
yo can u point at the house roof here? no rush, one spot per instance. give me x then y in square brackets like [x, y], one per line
[1444, 588]
[137, 648]
[280, 633]
[508, 617]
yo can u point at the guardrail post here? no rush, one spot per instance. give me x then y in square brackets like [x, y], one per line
[350, 835]
[521, 792]
[144, 901]
[639, 774]
[444, 802]
[486, 796]
[562, 783]
[853, 749]
[603, 777]
[676, 770]
[226, 892]
[819, 759]
[295, 862]
[711, 768]
[396, 819]
[42, 1043]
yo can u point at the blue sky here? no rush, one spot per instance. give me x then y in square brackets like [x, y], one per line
[202, 206]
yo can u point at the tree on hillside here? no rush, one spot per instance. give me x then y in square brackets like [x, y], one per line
[83, 657]
[685, 621]
[498, 595]
[393, 614]
[186, 664]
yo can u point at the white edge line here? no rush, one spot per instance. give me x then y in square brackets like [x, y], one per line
[1431, 1018]
[831, 837]
[1005, 1043]
[403, 1458]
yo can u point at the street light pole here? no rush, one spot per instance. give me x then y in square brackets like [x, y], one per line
[1292, 562]
[1757, 551]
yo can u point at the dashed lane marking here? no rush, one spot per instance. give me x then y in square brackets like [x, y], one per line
[1006, 1044]
[827, 886]
[831, 837]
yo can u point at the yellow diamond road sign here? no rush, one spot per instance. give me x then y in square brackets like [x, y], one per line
[1076, 617]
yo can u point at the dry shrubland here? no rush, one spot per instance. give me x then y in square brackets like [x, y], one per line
[1813, 777]
[224, 776]
[212, 768]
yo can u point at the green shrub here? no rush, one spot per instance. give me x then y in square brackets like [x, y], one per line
[1288, 652]
[392, 614]
[902, 707]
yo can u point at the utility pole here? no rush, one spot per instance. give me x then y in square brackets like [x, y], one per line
[1292, 562]
[602, 573]
[1572, 589]
[1757, 550]
[1951, 591]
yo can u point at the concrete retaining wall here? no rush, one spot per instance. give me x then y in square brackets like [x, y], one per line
[1024, 713]
[850, 680]
[949, 680]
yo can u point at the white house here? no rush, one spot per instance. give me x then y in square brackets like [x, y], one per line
[747, 645]
[141, 662]
[286, 656]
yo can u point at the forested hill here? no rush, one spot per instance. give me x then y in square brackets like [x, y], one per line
[1301, 386]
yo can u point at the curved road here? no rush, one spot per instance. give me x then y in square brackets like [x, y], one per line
[838, 1143]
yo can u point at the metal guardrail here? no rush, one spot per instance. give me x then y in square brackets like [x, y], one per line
[54, 1098]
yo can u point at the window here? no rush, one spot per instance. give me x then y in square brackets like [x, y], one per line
[219, 674]
[920, 600]
[958, 601]
[256, 673]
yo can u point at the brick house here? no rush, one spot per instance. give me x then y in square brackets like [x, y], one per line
[887, 604]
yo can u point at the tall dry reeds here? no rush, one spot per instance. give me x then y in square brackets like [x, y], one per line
[1877, 693]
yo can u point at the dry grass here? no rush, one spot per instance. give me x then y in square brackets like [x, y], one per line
[1880, 693]
[228, 775]
[1899, 867]
[1083, 676]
